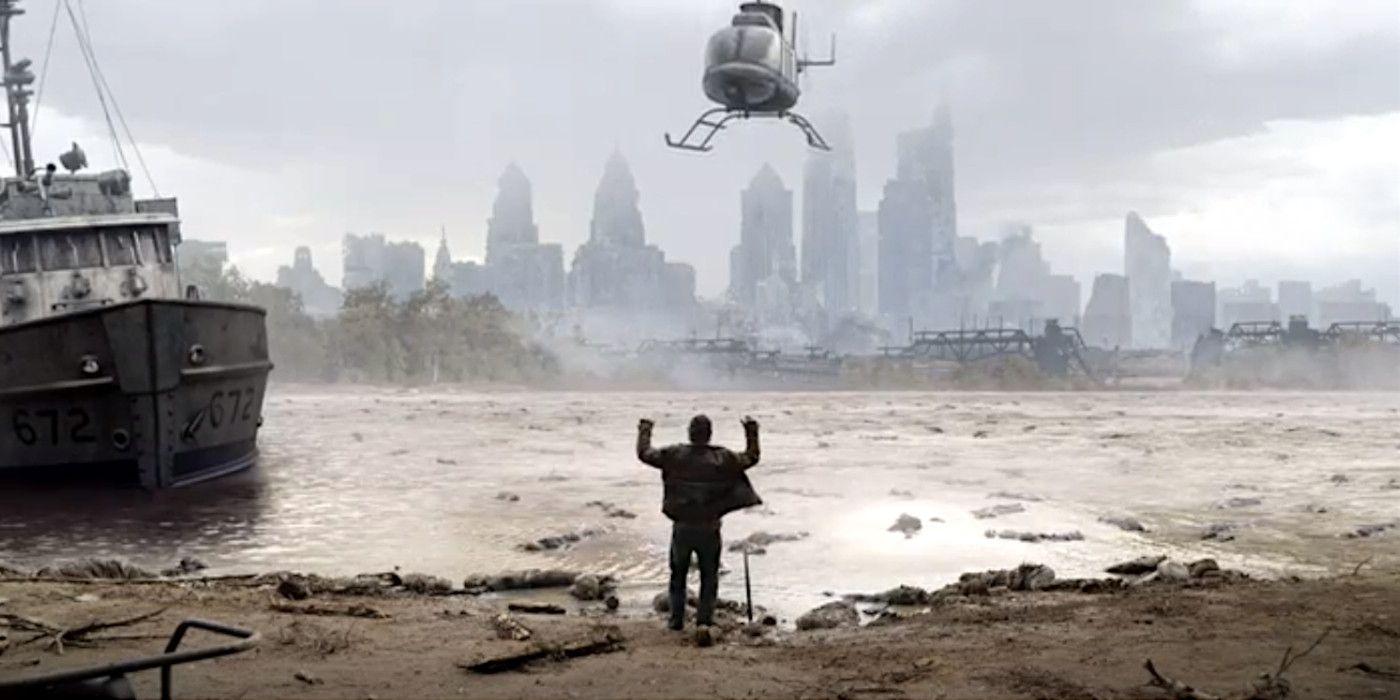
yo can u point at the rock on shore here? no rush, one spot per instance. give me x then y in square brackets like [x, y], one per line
[837, 613]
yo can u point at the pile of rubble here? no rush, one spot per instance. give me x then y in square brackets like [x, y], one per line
[1147, 570]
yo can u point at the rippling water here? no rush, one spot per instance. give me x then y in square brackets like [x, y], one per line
[356, 480]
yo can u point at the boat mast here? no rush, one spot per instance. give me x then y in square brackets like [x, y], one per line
[17, 79]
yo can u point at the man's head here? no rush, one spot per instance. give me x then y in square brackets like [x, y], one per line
[700, 430]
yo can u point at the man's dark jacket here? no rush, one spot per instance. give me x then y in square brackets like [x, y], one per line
[702, 482]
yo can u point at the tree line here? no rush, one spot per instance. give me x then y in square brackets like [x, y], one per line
[430, 337]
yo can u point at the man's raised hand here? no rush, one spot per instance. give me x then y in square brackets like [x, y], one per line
[645, 424]
[750, 425]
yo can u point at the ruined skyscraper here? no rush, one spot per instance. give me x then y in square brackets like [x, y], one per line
[765, 247]
[831, 254]
[1148, 266]
[1027, 294]
[918, 223]
[1193, 312]
[317, 298]
[1349, 303]
[615, 268]
[1248, 303]
[906, 262]
[1295, 299]
[869, 260]
[371, 260]
[1107, 322]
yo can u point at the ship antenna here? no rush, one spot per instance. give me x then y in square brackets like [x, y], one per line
[16, 77]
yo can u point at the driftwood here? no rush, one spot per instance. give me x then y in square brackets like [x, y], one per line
[536, 608]
[1357, 570]
[1269, 686]
[362, 611]
[1178, 690]
[75, 636]
[1372, 671]
[606, 641]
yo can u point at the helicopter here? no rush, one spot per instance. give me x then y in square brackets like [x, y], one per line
[751, 70]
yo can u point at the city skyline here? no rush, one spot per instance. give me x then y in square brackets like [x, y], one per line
[1241, 133]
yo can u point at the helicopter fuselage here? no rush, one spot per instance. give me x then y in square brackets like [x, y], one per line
[750, 67]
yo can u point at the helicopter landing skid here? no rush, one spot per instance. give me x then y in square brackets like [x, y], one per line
[708, 127]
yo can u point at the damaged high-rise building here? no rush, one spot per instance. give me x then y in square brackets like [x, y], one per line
[1349, 303]
[616, 268]
[1027, 294]
[1295, 299]
[831, 255]
[318, 298]
[1248, 303]
[765, 250]
[1107, 321]
[370, 260]
[918, 223]
[1193, 311]
[1148, 266]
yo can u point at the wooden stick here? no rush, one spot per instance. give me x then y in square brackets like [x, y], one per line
[1178, 690]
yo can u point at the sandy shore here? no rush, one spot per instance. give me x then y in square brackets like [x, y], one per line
[1217, 637]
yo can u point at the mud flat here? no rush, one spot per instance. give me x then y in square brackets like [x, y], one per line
[1215, 633]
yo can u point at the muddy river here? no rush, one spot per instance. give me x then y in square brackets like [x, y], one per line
[355, 480]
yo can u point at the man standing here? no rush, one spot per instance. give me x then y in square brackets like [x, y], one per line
[702, 483]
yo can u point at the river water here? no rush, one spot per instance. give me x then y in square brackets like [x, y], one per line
[354, 480]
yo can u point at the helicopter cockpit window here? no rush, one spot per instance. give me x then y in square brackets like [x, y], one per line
[16, 254]
[763, 48]
[70, 251]
[155, 245]
[121, 247]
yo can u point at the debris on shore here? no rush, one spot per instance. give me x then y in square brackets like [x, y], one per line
[838, 613]
[519, 580]
[1219, 532]
[114, 569]
[906, 525]
[611, 510]
[1009, 496]
[1239, 502]
[998, 510]
[757, 543]
[1371, 530]
[553, 542]
[590, 587]
[1026, 536]
[1125, 524]
[187, 566]
[602, 641]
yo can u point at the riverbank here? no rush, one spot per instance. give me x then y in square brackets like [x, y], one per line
[1217, 634]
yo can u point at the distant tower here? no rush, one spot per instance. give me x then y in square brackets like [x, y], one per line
[765, 236]
[442, 262]
[918, 221]
[831, 255]
[617, 218]
[512, 221]
[1148, 266]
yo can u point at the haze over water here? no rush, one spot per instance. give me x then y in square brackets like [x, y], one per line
[359, 480]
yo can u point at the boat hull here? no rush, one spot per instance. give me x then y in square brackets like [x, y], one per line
[160, 393]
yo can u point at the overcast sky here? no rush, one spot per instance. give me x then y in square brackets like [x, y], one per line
[1260, 137]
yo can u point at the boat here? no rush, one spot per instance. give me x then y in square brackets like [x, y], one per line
[109, 369]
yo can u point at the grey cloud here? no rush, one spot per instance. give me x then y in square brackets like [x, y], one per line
[443, 93]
